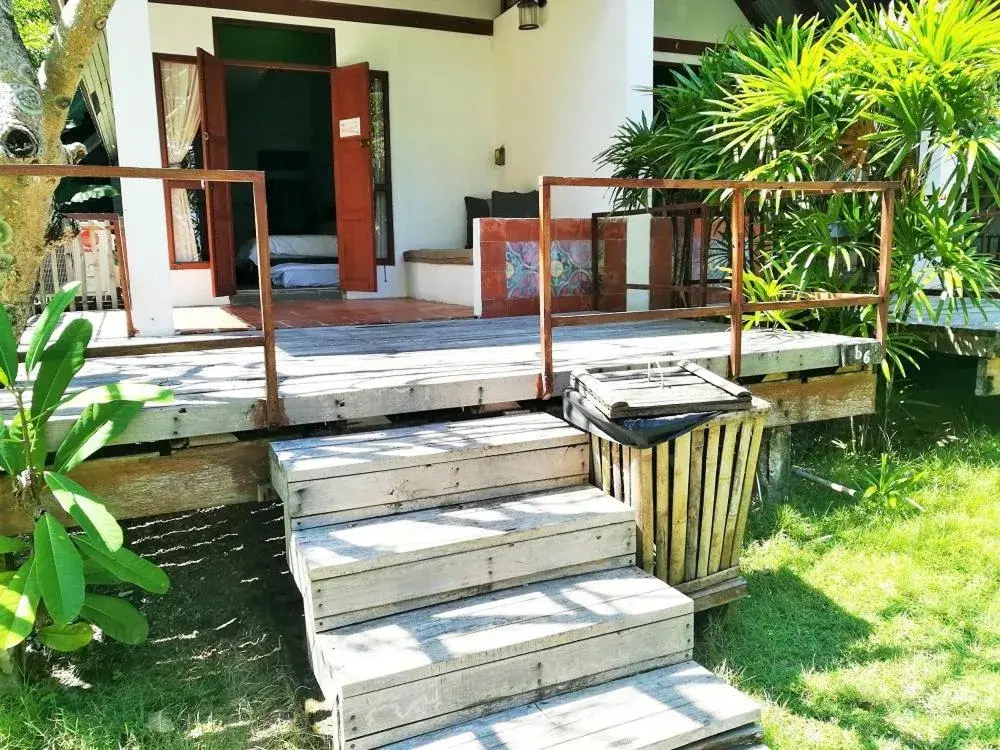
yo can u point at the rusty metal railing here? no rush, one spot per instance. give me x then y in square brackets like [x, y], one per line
[270, 411]
[737, 304]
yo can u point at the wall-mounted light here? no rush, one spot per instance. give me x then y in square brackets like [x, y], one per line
[529, 15]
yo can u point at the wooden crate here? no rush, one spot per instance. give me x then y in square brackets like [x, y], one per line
[691, 497]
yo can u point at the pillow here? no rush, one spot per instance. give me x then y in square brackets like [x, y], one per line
[475, 208]
[515, 205]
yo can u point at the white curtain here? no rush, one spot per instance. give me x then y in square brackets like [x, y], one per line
[181, 120]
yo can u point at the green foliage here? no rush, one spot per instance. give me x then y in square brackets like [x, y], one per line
[34, 22]
[891, 93]
[892, 484]
[48, 592]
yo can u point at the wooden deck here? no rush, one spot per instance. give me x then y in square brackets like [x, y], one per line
[974, 333]
[329, 374]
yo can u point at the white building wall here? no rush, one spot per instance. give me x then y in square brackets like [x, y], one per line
[697, 20]
[441, 95]
[563, 91]
[554, 97]
[134, 102]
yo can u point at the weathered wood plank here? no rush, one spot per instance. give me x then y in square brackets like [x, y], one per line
[352, 599]
[709, 498]
[494, 476]
[643, 487]
[606, 467]
[382, 450]
[670, 707]
[416, 645]
[662, 511]
[722, 494]
[400, 540]
[679, 507]
[417, 707]
[356, 372]
[988, 377]
[798, 400]
[151, 484]
[736, 492]
[695, 474]
[746, 493]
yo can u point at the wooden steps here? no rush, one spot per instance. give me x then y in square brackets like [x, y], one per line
[673, 707]
[415, 672]
[348, 477]
[466, 575]
[365, 569]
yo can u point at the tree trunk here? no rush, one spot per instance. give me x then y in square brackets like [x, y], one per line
[33, 111]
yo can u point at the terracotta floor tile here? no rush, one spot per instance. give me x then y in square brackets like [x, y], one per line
[314, 313]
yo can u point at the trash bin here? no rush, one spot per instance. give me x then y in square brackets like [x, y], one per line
[680, 445]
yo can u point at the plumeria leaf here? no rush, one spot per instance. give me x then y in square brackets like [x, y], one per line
[71, 637]
[59, 570]
[86, 509]
[116, 617]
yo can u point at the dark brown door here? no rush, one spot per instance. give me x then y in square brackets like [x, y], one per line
[218, 198]
[352, 178]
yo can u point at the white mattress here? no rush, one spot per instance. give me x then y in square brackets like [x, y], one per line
[288, 246]
[289, 275]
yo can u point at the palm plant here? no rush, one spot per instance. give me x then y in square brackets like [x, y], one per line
[910, 92]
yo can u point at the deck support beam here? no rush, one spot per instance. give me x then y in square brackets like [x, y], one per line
[988, 377]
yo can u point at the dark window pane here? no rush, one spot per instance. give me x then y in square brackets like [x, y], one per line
[273, 44]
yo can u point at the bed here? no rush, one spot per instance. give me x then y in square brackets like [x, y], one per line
[298, 260]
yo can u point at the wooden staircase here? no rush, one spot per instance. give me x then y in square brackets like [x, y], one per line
[466, 587]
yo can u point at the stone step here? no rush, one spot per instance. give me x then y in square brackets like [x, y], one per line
[366, 569]
[412, 673]
[349, 477]
[674, 707]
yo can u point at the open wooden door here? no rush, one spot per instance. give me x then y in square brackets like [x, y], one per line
[215, 151]
[352, 177]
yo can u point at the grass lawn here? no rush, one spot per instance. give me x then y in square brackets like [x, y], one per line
[864, 628]
[872, 629]
[225, 665]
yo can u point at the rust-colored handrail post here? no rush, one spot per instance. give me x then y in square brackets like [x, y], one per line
[546, 380]
[275, 417]
[885, 264]
[118, 230]
[706, 240]
[738, 231]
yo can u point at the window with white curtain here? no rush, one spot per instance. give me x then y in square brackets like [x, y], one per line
[180, 129]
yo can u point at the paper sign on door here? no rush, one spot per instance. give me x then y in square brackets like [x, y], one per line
[350, 128]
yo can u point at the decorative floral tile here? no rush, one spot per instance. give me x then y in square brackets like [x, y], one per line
[571, 271]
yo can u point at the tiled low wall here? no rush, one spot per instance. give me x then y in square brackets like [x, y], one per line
[506, 258]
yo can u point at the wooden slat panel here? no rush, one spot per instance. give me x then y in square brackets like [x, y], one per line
[747, 492]
[694, 503]
[662, 511]
[722, 492]
[595, 461]
[617, 481]
[606, 467]
[709, 484]
[679, 507]
[736, 493]
[643, 487]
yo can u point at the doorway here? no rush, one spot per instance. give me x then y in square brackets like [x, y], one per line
[308, 126]
[279, 122]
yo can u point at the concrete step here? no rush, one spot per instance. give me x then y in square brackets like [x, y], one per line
[343, 478]
[679, 706]
[416, 672]
[366, 569]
